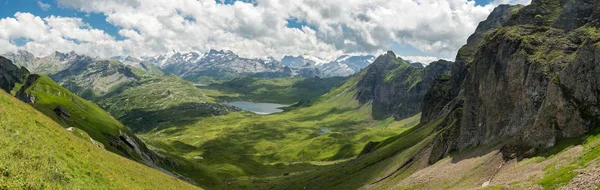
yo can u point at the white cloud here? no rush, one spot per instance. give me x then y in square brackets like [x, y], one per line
[256, 29]
[43, 6]
[422, 59]
[52, 33]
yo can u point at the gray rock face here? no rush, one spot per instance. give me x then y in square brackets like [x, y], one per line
[62, 112]
[444, 95]
[89, 77]
[396, 88]
[528, 85]
[10, 74]
[44, 65]
[22, 95]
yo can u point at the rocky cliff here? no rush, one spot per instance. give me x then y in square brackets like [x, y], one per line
[527, 78]
[10, 74]
[396, 88]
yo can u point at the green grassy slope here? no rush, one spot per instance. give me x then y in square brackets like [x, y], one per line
[271, 90]
[38, 153]
[84, 115]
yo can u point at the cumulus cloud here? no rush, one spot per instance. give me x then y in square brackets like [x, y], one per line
[50, 34]
[44, 6]
[256, 28]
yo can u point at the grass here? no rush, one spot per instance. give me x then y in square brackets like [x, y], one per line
[557, 175]
[85, 115]
[38, 153]
[355, 173]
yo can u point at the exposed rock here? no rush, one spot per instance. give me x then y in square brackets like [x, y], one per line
[10, 74]
[62, 112]
[444, 94]
[27, 97]
[395, 88]
[527, 84]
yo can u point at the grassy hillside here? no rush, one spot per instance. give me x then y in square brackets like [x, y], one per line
[159, 100]
[47, 96]
[38, 153]
[271, 90]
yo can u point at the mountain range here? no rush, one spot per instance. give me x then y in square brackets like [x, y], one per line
[213, 65]
[517, 109]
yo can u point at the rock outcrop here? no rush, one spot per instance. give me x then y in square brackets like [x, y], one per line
[10, 74]
[527, 78]
[396, 88]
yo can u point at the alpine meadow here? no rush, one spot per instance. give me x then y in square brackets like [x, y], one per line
[281, 94]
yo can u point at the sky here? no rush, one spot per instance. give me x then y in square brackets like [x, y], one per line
[419, 30]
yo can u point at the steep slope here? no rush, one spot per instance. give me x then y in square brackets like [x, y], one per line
[81, 117]
[10, 75]
[395, 88]
[72, 111]
[38, 153]
[532, 81]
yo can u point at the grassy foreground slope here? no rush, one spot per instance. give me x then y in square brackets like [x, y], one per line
[48, 97]
[38, 153]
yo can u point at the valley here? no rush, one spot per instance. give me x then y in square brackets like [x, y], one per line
[518, 108]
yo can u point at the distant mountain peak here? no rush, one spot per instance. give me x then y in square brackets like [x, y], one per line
[391, 53]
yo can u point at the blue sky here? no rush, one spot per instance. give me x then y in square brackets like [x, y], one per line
[95, 20]
[347, 43]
